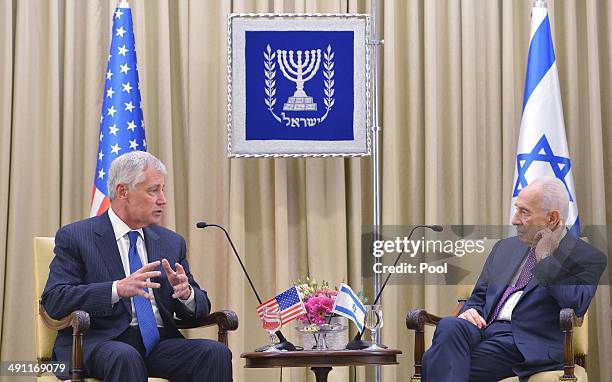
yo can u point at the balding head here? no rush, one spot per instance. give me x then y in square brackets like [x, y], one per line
[553, 193]
[542, 204]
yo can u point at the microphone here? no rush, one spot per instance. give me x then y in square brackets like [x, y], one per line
[357, 343]
[435, 227]
[283, 343]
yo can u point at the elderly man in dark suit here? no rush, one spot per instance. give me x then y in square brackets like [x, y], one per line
[510, 324]
[109, 267]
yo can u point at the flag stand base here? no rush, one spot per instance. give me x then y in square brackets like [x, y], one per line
[358, 344]
[283, 345]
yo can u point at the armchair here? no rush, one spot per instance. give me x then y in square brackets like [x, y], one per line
[575, 345]
[47, 327]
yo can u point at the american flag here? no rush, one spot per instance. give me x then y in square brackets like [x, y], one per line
[121, 120]
[289, 304]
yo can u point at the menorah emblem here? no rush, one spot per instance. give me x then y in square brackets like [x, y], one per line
[299, 72]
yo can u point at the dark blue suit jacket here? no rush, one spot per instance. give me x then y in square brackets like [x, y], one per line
[567, 279]
[86, 263]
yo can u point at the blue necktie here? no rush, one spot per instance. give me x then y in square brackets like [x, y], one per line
[144, 309]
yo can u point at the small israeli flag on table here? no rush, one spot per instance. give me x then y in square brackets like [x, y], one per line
[348, 305]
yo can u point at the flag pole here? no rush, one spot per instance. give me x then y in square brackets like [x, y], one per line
[540, 4]
[376, 136]
[376, 130]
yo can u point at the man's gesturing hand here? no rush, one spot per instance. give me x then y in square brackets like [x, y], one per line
[178, 280]
[136, 283]
[474, 317]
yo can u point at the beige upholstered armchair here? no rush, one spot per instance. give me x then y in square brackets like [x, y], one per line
[575, 332]
[46, 327]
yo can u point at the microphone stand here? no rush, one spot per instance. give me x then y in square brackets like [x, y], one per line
[357, 343]
[283, 343]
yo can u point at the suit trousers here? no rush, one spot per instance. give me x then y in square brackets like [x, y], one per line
[461, 352]
[176, 359]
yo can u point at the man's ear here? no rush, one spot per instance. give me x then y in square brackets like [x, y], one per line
[121, 191]
[554, 218]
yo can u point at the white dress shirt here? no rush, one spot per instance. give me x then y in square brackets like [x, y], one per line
[121, 231]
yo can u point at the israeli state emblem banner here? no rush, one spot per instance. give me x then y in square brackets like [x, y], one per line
[298, 85]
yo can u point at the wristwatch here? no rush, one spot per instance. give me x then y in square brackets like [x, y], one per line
[545, 255]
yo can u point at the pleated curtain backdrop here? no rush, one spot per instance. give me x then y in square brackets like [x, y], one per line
[452, 77]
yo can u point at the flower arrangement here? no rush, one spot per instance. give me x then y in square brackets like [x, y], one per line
[319, 300]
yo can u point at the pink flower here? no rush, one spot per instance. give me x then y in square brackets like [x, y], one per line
[318, 308]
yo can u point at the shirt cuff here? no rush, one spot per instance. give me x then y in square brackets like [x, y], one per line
[114, 295]
[190, 302]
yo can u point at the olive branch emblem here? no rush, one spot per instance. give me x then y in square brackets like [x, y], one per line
[270, 73]
[328, 73]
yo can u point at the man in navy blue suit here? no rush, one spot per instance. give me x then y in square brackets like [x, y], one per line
[109, 266]
[510, 324]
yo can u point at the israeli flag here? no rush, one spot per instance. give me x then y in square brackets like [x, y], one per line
[542, 145]
[348, 305]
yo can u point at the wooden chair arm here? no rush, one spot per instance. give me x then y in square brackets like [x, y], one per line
[568, 320]
[226, 320]
[416, 319]
[79, 320]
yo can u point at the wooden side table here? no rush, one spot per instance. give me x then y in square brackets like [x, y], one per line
[321, 362]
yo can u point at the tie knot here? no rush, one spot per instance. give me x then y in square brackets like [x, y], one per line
[133, 235]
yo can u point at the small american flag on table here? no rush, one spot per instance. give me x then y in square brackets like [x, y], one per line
[289, 304]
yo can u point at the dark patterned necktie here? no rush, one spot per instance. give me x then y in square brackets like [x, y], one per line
[143, 306]
[521, 283]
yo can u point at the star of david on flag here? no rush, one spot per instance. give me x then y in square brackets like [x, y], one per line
[289, 304]
[542, 146]
[121, 120]
[347, 304]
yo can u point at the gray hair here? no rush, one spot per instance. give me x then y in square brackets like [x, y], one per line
[129, 169]
[554, 195]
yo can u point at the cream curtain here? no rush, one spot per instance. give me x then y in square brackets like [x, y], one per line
[451, 94]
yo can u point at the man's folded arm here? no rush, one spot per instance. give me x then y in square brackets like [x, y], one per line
[575, 290]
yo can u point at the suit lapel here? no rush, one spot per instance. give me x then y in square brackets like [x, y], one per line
[155, 252]
[152, 244]
[518, 256]
[508, 271]
[107, 248]
[109, 252]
